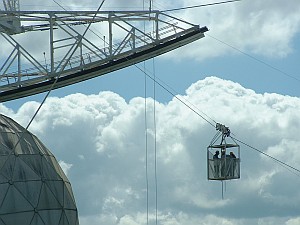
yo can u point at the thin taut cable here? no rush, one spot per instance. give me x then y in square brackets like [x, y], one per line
[146, 132]
[155, 140]
[254, 58]
[198, 6]
[276, 160]
[171, 93]
[146, 147]
[174, 93]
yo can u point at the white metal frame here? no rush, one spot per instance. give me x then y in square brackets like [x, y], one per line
[21, 70]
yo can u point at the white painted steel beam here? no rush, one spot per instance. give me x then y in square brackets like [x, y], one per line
[116, 39]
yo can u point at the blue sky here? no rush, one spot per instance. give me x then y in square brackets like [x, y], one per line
[96, 128]
[249, 72]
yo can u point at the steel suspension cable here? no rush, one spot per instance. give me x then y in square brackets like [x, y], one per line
[174, 95]
[262, 152]
[155, 133]
[190, 103]
[53, 84]
[146, 146]
[173, 92]
[198, 6]
[155, 140]
[254, 58]
[146, 132]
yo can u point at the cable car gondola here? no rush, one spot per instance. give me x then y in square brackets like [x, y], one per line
[223, 160]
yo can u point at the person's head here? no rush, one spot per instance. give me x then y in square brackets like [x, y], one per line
[217, 152]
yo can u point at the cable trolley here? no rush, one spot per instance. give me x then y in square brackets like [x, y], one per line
[223, 160]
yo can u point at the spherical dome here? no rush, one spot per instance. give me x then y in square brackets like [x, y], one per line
[33, 188]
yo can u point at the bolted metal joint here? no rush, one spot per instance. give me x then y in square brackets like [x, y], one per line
[225, 130]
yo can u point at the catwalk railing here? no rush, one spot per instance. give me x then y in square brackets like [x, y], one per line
[38, 48]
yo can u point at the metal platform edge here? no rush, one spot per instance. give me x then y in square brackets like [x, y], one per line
[20, 92]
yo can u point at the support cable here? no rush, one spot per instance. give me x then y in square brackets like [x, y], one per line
[52, 86]
[261, 152]
[146, 131]
[189, 102]
[36, 112]
[154, 121]
[254, 58]
[198, 6]
[146, 147]
[222, 190]
[155, 140]
[174, 95]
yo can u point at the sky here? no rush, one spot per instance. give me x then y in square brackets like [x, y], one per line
[244, 74]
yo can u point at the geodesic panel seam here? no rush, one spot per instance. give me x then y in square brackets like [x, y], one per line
[33, 188]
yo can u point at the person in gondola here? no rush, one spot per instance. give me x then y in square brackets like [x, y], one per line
[232, 155]
[232, 163]
[216, 155]
[223, 162]
[223, 152]
[216, 164]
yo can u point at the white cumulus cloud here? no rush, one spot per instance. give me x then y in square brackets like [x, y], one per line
[101, 141]
[265, 28]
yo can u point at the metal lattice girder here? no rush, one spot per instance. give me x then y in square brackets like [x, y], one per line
[61, 53]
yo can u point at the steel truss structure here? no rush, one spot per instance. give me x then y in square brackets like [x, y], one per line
[73, 46]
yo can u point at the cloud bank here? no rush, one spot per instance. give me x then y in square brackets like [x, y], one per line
[100, 142]
[265, 28]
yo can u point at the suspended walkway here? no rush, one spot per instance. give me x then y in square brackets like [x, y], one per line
[53, 49]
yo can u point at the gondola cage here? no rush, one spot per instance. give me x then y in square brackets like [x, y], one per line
[223, 160]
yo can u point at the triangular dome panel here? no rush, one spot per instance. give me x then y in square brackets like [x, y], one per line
[64, 220]
[37, 220]
[56, 166]
[34, 162]
[43, 149]
[57, 188]
[71, 216]
[14, 202]
[23, 218]
[3, 159]
[23, 172]
[69, 201]
[51, 216]
[8, 167]
[3, 191]
[4, 150]
[1, 222]
[3, 179]
[30, 190]
[48, 170]
[47, 200]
